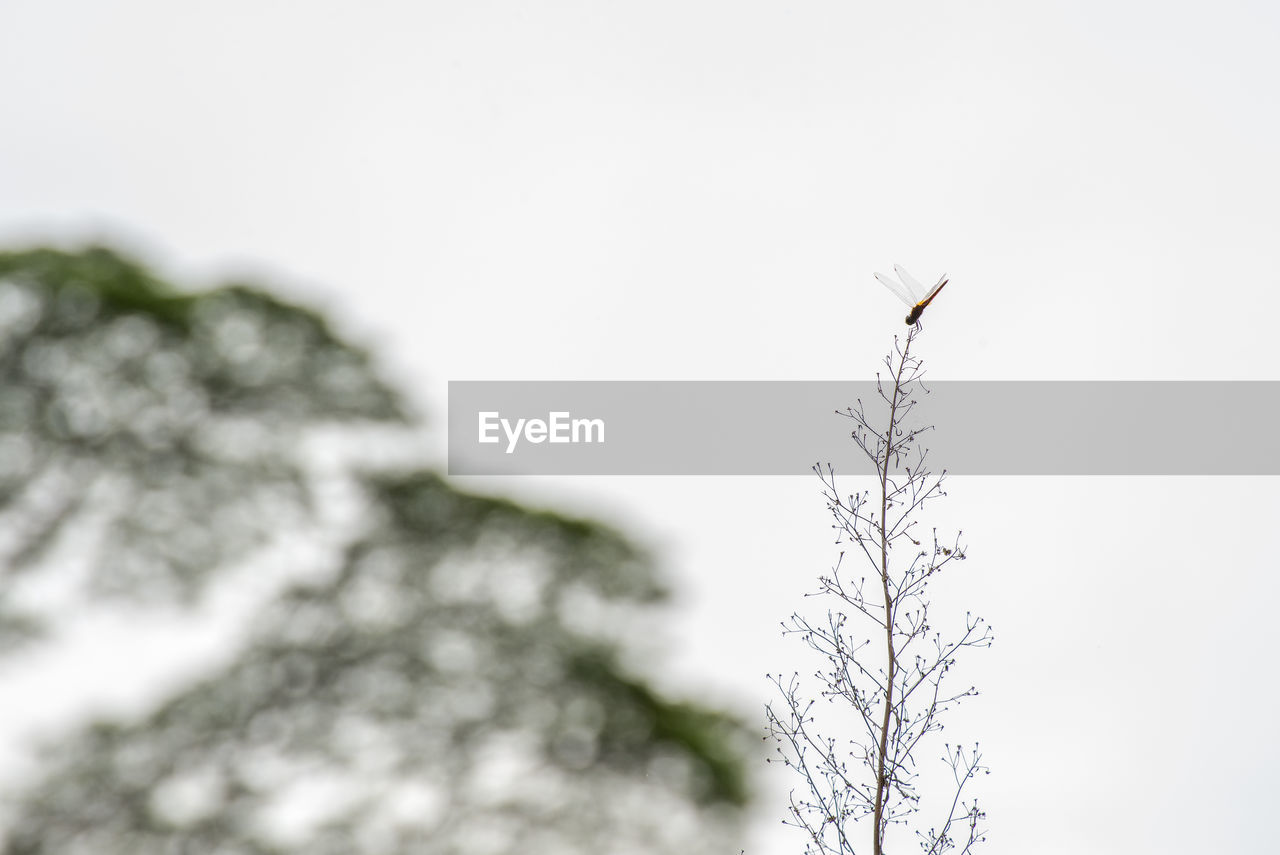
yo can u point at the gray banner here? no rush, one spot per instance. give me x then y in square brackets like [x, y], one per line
[785, 427]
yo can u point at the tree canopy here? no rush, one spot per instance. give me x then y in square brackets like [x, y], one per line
[448, 682]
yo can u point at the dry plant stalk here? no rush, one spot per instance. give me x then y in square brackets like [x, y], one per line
[894, 684]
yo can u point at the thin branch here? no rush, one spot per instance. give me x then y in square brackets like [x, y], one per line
[895, 686]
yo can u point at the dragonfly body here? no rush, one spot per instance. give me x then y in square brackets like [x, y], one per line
[911, 292]
[918, 309]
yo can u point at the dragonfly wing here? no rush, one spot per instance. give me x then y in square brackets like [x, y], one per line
[914, 288]
[933, 292]
[899, 291]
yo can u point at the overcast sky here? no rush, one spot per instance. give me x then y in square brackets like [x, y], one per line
[702, 190]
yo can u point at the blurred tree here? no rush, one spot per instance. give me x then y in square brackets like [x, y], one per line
[451, 684]
[158, 430]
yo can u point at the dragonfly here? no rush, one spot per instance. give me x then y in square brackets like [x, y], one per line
[911, 292]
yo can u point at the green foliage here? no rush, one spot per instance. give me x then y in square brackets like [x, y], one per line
[160, 428]
[451, 684]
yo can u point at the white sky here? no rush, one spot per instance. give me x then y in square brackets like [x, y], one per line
[701, 190]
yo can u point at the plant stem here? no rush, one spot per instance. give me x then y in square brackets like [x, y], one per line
[882, 781]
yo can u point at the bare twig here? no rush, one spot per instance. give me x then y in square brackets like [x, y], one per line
[898, 694]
